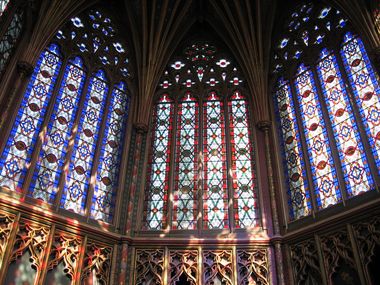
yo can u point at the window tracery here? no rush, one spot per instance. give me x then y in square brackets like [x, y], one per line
[201, 137]
[328, 89]
[73, 119]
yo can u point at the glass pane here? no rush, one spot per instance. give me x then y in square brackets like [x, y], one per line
[156, 193]
[103, 201]
[50, 162]
[298, 192]
[215, 196]
[9, 39]
[350, 149]
[365, 84]
[245, 197]
[78, 178]
[323, 172]
[186, 175]
[15, 159]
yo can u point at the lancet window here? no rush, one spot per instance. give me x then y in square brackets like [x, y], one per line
[201, 171]
[327, 102]
[67, 138]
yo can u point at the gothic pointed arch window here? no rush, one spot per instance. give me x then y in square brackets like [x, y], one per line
[327, 103]
[201, 172]
[65, 144]
[12, 22]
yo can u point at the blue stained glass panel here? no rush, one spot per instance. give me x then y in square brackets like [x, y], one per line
[50, 162]
[356, 172]
[103, 201]
[78, 178]
[323, 172]
[16, 156]
[298, 192]
[365, 84]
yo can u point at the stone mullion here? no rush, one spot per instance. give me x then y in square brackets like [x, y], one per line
[265, 126]
[172, 165]
[279, 169]
[330, 134]
[9, 248]
[136, 200]
[124, 167]
[321, 260]
[41, 276]
[200, 182]
[200, 266]
[229, 162]
[355, 251]
[358, 120]
[305, 153]
[44, 128]
[66, 164]
[98, 147]
[122, 270]
[78, 270]
[166, 266]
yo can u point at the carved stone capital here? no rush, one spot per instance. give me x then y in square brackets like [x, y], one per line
[24, 68]
[140, 128]
[264, 125]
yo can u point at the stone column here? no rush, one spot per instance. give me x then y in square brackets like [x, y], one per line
[265, 127]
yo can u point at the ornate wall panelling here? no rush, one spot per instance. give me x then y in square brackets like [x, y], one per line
[39, 253]
[65, 255]
[217, 267]
[367, 235]
[149, 267]
[197, 266]
[97, 263]
[252, 266]
[27, 259]
[305, 260]
[8, 227]
[183, 266]
[338, 258]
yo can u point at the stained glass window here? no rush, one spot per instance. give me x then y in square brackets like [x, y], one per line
[338, 165]
[49, 167]
[319, 150]
[350, 148]
[186, 177]
[298, 192]
[158, 181]
[201, 169]
[16, 156]
[245, 196]
[103, 201]
[365, 83]
[72, 122]
[215, 198]
[11, 36]
[78, 179]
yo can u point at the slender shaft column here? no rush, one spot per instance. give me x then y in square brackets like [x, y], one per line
[123, 264]
[265, 126]
[10, 102]
[140, 131]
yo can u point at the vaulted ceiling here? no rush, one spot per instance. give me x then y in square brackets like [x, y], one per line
[155, 28]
